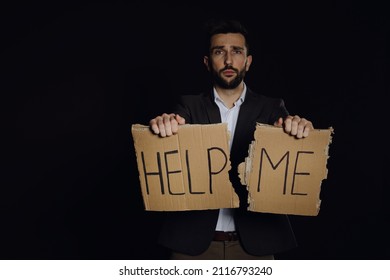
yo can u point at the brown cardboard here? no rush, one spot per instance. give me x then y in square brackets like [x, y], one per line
[186, 171]
[283, 174]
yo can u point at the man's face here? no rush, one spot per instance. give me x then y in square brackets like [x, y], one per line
[228, 61]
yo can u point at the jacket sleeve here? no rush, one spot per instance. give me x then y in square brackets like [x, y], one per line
[183, 109]
[280, 111]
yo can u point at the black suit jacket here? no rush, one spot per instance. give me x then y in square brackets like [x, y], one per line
[191, 232]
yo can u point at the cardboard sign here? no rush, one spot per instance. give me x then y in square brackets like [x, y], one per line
[186, 171]
[283, 174]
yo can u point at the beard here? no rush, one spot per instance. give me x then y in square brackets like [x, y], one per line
[221, 82]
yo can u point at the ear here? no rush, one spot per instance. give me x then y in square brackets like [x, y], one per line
[248, 62]
[206, 62]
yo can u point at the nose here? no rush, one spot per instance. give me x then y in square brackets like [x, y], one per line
[228, 59]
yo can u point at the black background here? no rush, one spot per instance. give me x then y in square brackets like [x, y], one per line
[75, 77]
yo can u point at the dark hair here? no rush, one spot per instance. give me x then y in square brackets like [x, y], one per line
[223, 26]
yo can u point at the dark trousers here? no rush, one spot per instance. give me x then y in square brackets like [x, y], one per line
[222, 250]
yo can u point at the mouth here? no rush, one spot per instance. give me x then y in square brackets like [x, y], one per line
[229, 73]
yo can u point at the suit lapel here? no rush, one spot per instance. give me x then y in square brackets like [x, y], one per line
[245, 116]
[213, 114]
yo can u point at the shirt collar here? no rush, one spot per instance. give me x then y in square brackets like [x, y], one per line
[239, 100]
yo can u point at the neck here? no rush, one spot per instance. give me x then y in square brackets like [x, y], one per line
[230, 96]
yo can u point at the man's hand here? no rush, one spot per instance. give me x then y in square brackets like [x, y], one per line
[166, 124]
[295, 125]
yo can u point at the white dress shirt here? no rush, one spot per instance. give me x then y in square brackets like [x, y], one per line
[229, 116]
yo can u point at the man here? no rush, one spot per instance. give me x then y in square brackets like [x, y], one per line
[229, 233]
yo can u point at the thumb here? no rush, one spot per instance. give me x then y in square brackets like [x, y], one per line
[180, 119]
[279, 122]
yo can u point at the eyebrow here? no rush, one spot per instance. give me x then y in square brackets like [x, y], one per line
[221, 47]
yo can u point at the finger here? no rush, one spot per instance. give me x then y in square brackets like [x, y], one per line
[304, 127]
[167, 124]
[153, 125]
[308, 127]
[287, 124]
[279, 122]
[295, 125]
[180, 119]
[300, 129]
[174, 124]
[306, 132]
[176, 120]
[161, 126]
